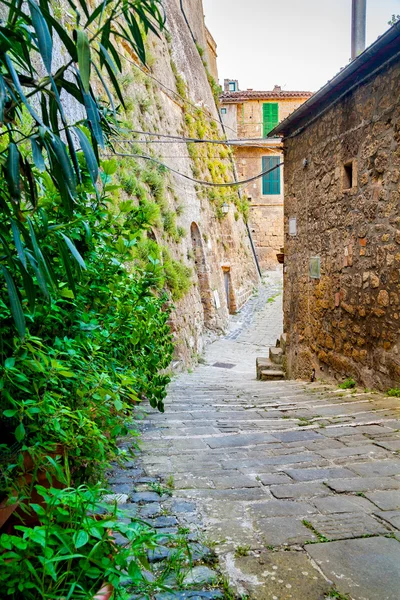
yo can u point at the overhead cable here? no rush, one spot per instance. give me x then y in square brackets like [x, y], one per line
[199, 181]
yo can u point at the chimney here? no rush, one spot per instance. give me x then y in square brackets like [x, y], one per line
[277, 88]
[358, 27]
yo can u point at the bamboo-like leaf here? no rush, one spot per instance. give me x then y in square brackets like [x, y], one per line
[13, 174]
[29, 287]
[83, 52]
[67, 264]
[20, 91]
[15, 304]
[39, 275]
[74, 251]
[98, 12]
[90, 157]
[45, 43]
[3, 99]
[18, 242]
[114, 81]
[94, 118]
[37, 155]
[107, 91]
[62, 33]
[64, 162]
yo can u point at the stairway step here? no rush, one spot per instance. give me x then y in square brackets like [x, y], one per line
[270, 375]
[276, 355]
[283, 341]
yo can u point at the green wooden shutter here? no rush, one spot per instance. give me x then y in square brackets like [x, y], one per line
[270, 117]
[271, 183]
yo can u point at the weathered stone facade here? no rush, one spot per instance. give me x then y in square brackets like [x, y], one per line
[243, 118]
[216, 249]
[342, 185]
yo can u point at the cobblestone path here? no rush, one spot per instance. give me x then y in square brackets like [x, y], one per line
[296, 484]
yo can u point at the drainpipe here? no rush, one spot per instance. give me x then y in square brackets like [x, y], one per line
[358, 27]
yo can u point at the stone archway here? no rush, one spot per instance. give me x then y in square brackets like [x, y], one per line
[202, 273]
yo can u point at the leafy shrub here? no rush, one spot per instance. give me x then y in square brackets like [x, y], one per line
[348, 384]
[395, 392]
[72, 551]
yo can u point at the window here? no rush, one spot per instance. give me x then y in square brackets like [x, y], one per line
[232, 86]
[271, 182]
[270, 117]
[223, 111]
[349, 176]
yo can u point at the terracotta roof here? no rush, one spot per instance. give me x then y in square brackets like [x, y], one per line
[241, 95]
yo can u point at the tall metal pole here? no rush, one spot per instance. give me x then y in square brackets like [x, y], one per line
[358, 27]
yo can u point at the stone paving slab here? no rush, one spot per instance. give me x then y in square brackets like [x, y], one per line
[367, 569]
[281, 465]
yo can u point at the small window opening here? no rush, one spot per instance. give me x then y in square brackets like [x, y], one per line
[223, 111]
[348, 176]
[232, 86]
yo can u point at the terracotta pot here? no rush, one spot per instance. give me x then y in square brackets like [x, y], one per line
[105, 592]
[6, 510]
[18, 514]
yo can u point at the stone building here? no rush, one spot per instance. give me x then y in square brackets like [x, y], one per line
[249, 116]
[342, 223]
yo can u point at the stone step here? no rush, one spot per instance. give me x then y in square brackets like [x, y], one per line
[276, 355]
[261, 363]
[283, 342]
[272, 375]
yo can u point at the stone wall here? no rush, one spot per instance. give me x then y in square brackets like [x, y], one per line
[346, 322]
[212, 245]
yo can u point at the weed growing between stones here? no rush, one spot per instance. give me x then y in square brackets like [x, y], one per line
[321, 538]
[242, 551]
[334, 593]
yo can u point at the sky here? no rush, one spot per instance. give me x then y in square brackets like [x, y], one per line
[298, 44]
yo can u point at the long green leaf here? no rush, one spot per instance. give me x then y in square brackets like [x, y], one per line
[37, 155]
[44, 40]
[15, 304]
[62, 33]
[90, 157]
[18, 242]
[20, 91]
[67, 264]
[74, 251]
[93, 116]
[83, 51]
[3, 98]
[64, 162]
[13, 174]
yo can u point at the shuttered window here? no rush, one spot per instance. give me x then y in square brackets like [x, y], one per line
[271, 183]
[270, 117]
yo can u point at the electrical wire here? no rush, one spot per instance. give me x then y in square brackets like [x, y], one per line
[185, 100]
[171, 139]
[199, 181]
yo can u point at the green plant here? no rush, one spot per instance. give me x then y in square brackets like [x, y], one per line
[159, 489]
[72, 551]
[348, 384]
[334, 593]
[242, 551]
[171, 482]
[310, 526]
[395, 392]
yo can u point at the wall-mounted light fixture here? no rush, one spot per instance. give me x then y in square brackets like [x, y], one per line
[225, 208]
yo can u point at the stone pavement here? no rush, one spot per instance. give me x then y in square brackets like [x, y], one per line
[296, 485]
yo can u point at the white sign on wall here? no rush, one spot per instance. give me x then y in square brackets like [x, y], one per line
[292, 226]
[217, 301]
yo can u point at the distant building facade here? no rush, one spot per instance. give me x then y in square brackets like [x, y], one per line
[342, 223]
[249, 116]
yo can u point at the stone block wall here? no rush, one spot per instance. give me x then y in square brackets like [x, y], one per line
[250, 116]
[347, 205]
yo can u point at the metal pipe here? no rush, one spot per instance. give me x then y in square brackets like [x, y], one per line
[358, 27]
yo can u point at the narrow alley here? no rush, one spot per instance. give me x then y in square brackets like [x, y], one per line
[295, 485]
